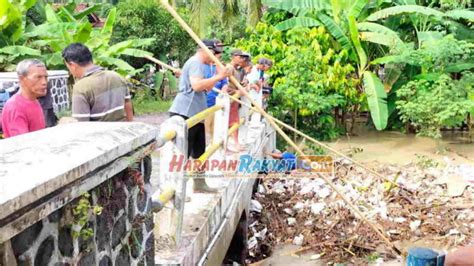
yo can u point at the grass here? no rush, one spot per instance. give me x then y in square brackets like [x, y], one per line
[145, 106]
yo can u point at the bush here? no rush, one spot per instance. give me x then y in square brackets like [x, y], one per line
[430, 105]
[310, 78]
[146, 19]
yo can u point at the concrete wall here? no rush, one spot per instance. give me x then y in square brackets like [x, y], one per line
[56, 181]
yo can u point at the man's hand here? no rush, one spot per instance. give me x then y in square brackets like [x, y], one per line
[225, 89]
[177, 73]
[462, 256]
[225, 72]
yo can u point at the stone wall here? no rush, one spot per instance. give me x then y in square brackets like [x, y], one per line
[78, 194]
[121, 233]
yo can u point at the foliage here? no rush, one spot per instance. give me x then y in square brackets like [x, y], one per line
[208, 14]
[310, 78]
[388, 29]
[439, 56]
[147, 19]
[64, 26]
[146, 103]
[340, 18]
[425, 162]
[81, 213]
[430, 105]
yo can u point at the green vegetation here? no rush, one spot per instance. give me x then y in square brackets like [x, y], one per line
[408, 62]
[63, 26]
[146, 19]
[81, 213]
[311, 79]
[150, 106]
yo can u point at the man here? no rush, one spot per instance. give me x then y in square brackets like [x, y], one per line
[210, 71]
[239, 61]
[257, 76]
[23, 113]
[191, 99]
[98, 94]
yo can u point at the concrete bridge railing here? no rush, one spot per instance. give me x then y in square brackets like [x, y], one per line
[202, 230]
[77, 194]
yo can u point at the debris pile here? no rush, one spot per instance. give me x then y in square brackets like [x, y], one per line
[430, 206]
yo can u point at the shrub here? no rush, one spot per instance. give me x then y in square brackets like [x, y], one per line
[146, 19]
[310, 78]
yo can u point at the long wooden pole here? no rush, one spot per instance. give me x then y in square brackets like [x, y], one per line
[156, 61]
[233, 97]
[274, 125]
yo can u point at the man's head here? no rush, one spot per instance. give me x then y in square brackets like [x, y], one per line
[240, 58]
[77, 58]
[33, 78]
[216, 48]
[264, 63]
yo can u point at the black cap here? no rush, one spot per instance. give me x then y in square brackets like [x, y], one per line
[214, 45]
[267, 90]
[238, 52]
[265, 61]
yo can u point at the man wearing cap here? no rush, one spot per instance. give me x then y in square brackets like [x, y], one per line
[238, 62]
[257, 76]
[210, 71]
[191, 99]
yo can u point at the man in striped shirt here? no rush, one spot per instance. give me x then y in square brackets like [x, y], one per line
[98, 94]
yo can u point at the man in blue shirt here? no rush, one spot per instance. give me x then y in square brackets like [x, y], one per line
[209, 72]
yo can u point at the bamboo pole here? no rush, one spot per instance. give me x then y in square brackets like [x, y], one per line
[196, 38]
[158, 62]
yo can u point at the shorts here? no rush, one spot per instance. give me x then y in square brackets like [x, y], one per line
[234, 114]
[196, 139]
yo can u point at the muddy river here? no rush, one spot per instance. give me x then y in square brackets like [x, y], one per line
[371, 147]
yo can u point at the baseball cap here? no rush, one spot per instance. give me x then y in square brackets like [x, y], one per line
[265, 61]
[214, 45]
[238, 52]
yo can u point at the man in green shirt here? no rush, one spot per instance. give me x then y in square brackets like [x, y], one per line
[98, 94]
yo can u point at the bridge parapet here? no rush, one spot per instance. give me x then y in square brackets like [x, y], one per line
[77, 194]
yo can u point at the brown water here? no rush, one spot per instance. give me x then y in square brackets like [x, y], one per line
[398, 148]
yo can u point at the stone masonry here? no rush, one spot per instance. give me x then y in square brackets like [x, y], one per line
[121, 234]
[78, 194]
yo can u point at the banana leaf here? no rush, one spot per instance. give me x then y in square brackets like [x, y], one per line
[20, 50]
[108, 27]
[374, 27]
[136, 52]
[459, 67]
[461, 14]
[335, 30]
[297, 22]
[356, 41]
[405, 9]
[291, 5]
[357, 7]
[376, 99]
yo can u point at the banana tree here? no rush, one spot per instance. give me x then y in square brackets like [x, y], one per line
[64, 26]
[353, 22]
[12, 27]
[340, 19]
